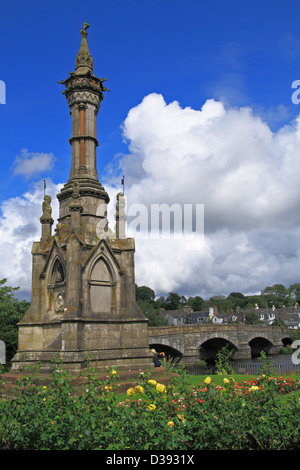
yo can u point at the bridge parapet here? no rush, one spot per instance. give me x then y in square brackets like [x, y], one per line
[187, 339]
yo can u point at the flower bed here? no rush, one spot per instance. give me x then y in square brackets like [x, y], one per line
[235, 416]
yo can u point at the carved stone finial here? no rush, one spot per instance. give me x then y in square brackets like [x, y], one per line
[120, 207]
[83, 30]
[120, 216]
[84, 60]
[47, 211]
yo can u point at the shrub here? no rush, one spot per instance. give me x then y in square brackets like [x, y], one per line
[245, 415]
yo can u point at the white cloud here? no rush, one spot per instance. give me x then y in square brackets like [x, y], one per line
[32, 163]
[245, 175]
[19, 228]
[227, 159]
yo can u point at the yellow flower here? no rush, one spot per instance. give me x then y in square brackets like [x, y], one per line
[107, 387]
[139, 389]
[44, 399]
[253, 388]
[44, 387]
[152, 382]
[160, 387]
[181, 417]
[130, 391]
[113, 372]
[208, 380]
[170, 423]
[152, 407]
[226, 381]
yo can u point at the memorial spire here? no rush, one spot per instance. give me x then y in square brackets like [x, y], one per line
[84, 60]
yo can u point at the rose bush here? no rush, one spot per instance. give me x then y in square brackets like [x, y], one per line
[245, 415]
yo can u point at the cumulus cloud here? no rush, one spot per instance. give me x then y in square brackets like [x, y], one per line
[28, 164]
[19, 228]
[245, 175]
[226, 159]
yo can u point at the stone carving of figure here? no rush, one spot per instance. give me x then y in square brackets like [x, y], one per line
[59, 304]
[75, 192]
[46, 206]
[47, 210]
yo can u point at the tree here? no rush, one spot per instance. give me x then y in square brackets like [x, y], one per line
[174, 301]
[278, 290]
[251, 318]
[196, 303]
[11, 312]
[278, 294]
[144, 293]
[278, 322]
[294, 292]
[237, 299]
[237, 295]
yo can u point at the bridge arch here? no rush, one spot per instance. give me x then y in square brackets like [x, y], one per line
[209, 349]
[186, 341]
[259, 344]
[170, 352]
[286, 341]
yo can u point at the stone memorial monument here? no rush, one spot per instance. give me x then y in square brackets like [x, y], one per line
[83, 285]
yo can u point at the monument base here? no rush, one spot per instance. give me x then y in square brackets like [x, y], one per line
[76, 361]
[78, 343]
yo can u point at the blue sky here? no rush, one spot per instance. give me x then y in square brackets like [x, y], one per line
[238, 53]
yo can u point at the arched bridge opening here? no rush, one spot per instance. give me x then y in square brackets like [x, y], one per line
[259, 345]
[286, 342]
[209, 350]
[171, 354]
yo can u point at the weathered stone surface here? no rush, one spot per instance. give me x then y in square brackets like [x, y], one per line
[187, 339]
[83, 283]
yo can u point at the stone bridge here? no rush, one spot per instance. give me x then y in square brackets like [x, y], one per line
[192, 342]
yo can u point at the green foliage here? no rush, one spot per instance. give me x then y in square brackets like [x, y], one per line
[178, 416]
[196, 303]
[279, 322]
[144, 293]
[277, 295]
[12, 311]
[223, 363]
[266, 367]
[251, 318]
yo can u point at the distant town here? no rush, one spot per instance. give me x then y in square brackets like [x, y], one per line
[276, 305]
[288, 316]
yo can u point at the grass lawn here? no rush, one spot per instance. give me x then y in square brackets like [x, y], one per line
[198, 380]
